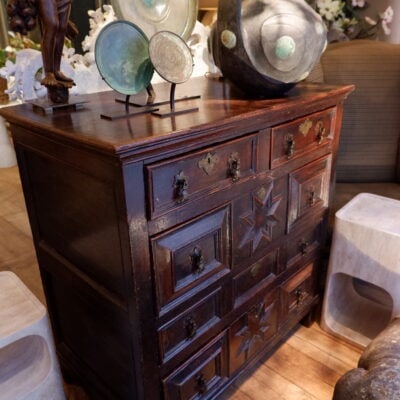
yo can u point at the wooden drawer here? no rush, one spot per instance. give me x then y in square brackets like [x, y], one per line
[308, 190]
[290, 141]
[190, 257]
[188, 327]
[255, 277]
[178, 181]
[249, 334]
[298, 290]
[301, 245]
[201, 376]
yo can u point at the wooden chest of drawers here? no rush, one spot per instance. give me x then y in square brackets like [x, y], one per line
[176, 252]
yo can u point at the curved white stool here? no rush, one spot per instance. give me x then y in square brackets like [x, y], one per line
[363, 281]
[7, 153]
[28, 365]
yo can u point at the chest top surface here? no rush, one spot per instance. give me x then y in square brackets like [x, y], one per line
[221, 108]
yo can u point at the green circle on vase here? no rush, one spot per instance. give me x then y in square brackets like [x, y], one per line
[285, 47]
[122, 57]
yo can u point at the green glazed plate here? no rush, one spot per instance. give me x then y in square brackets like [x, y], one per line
[122, 57]
[178, 16]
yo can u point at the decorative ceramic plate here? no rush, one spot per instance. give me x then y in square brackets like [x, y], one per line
[178, 16]
[171, 57]
[122, 57]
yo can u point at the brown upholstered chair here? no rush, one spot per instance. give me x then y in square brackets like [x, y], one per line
[369, 153]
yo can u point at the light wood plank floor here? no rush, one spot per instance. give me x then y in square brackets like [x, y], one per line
[305, 367]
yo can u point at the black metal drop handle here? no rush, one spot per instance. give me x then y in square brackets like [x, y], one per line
[300, 294]
[291, 143]
[181, 186]
[321, 132]
[191, 327]
[234, 168]
[313, 197]
[197, 261]
[303, 247]
[201, 383]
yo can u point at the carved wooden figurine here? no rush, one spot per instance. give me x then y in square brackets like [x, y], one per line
[55, 26]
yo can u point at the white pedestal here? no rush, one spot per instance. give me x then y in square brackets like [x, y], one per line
[28, 364]
[7, 153]
[363, 283]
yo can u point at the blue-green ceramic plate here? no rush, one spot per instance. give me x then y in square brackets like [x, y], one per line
[122, 57]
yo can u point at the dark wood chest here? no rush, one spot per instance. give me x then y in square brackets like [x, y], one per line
[176, 252]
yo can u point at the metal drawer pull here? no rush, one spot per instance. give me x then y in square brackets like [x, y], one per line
[234, 167]
[181, 186]
[301, 295]
[303, 247]
[197, 261]
[291, 143]
[191, 327]
[201, 383]
[321, 132]
[313, 198]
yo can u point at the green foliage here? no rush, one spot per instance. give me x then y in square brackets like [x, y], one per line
[16, 42]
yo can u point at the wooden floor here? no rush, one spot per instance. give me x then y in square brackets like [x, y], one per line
[305, 367]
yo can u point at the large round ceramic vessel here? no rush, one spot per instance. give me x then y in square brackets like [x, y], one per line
[178, 16]
[265, 47]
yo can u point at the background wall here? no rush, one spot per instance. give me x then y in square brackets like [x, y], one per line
[380, 6]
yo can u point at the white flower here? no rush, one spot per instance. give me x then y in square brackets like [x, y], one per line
[329, 9]
[358, 3]
[387, 15]
[387, 18]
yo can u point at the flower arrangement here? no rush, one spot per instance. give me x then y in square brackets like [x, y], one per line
[352, 19]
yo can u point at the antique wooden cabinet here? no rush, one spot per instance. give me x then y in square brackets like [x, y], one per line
[176, 252]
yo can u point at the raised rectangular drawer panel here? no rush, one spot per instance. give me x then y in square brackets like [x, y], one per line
[249, 334]
[255, 277]
[191, 257]
[301, 245]
[298, 291]
[201, 376]
[309, 190]
[190, 177]
[189, 326]
[292, 140]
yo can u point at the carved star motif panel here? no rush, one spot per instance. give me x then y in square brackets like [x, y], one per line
[260, 218]
[251, 332]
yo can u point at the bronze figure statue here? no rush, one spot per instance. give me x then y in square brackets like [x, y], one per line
[53, 16]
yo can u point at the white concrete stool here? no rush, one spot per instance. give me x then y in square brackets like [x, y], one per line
[363, 282]
[7, 153]
[28, 365]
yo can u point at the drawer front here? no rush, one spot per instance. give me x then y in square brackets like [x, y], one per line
[178, 181]
[188, 327]
[257, 276]
[259, 218]
[298, 290]
[201, 376]
[308, 190]
[249, 334]
[191, 257]
[290, 141]
[300, 246]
